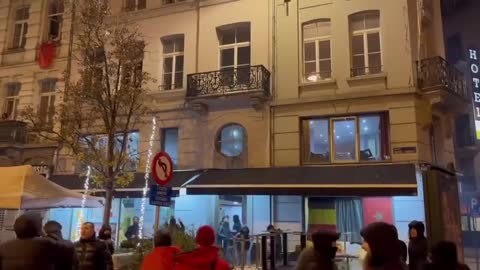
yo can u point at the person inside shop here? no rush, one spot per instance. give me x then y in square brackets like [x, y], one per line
[134, 229]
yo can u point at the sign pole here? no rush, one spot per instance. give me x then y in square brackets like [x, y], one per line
[156, 227]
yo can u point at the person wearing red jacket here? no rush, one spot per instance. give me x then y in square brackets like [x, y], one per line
[205, 257]
[162, 256]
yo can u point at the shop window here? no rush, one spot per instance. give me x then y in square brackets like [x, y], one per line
[316, 50]
[231, 140]
[20, 28]
[11, 100]
[170, 143]
[55, 19]
[360, 138]
[173, 58]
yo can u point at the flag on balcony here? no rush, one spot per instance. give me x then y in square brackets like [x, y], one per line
[46, 54]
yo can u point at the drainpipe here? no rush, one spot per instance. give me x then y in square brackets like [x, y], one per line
[197, 35]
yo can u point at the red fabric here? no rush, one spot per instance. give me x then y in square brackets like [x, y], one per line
[205, 236]
[203, 258]
[378, 209]
[161, 258]
[47, 54]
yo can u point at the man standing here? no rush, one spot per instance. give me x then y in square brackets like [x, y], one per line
[92, 253]
[68, 258]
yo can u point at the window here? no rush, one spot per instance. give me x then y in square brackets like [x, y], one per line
[133, 5]
[166, 2]
[361, 138]
[455, 51]
[173, 62]
[55, 19]
[11, 100]
[20, 28]
[234, 48]
[231, 140]
[365, 43]
[170, 144]
[47, 101]
[317, 59]
[132, 150]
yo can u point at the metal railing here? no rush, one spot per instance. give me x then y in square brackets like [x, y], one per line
[229, 81]
[13, 132]
[435, 72]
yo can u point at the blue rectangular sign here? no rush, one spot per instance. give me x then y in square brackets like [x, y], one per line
[160, 196]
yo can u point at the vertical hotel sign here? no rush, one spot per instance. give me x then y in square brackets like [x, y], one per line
[474, 65]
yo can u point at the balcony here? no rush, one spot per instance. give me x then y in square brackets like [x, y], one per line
[444, 83]
[13, 132]
[252, 82]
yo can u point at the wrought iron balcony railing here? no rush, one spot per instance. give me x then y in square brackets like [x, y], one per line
[229, 81]
[13, 132]
[435, 73]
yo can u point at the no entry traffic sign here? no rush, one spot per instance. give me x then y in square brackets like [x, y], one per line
[162, 168]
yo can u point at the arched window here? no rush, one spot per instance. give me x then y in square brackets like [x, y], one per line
[232, 140]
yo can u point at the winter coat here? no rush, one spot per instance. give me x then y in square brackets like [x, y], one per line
[93, 254]
[310, 259]
[161, 258]
[29, 250]
[68, 258]
[445, 257]
[203, 258]
[417, 247]
[132, 231]
[403, 250]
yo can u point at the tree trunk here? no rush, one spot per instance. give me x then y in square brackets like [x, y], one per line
[108, 200]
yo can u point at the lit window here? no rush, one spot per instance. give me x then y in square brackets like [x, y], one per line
[365, 43]
[133, 5]
[20, 28]
[317, 59]
[319, 141]
[11, 100]
[231, 140]
[173, 62]
[344, 139]
[47, 101]
[170, 143]
[55, 19]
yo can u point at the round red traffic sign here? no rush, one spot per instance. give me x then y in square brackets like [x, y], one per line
[162, 168]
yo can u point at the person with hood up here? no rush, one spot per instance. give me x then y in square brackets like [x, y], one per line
[418, 245]
[322, 255]
[68, 258]
[444, 257]
[162, 256]
[134, 229]
[29, 251]
[380, 241]
[92, 253]
[205, 257]
[105, 235]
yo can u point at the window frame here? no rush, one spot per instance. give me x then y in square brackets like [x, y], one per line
[332, 135]
[50, 18]
[22, 40]
[50, 94]
[14, 99]
[174, 55]
[316, 40]
[235, 46]
[364, 34]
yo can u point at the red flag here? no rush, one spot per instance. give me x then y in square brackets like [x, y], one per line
[47, 54]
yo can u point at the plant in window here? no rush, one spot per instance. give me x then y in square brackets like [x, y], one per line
[105, 98]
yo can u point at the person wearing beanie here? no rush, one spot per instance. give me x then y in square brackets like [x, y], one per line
[205, 257]
[162, 256]
[321, 256]
[417, 246]
[382, 247]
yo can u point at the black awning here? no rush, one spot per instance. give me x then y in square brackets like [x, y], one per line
[134, 189]
[348, 180]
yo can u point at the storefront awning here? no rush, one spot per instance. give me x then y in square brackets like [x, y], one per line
[348, 180]
[133, 190]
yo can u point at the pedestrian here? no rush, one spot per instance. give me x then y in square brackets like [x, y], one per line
[417, 246]
[105, 235]
[92, 253]
[322, 255]
[29, 250]
[380, 241]
[162, 256]
[68, 258]
[134, 229]
[242, 239]
[444, 257]
[205, 257]
[403, 248]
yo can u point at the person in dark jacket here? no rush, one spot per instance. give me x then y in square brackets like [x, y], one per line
[418, 246]
[382, 247]
[321, 256]
[105, 234]
[92, 253]
[444, 257]
[237, 225]
[68, 258]
[29, 250]
[133, 230]
[403, 248]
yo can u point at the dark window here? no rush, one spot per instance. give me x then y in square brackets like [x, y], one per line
[455, 51]
[170, 139]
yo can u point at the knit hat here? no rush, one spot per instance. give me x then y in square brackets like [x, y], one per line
[205, 236]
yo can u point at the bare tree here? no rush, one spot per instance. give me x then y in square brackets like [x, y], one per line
[103, 98]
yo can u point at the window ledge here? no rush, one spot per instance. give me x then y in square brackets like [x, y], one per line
[312, 87]
[169, 94]
[15, 50]
[366, 78]
[319, 83]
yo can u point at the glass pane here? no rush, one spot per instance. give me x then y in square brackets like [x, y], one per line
[170, 143]
[372, 20]
[319, 140]
[227, 57]
[179, 44]
[325, 69]
[13, 89]
[142, 4]
[55, 7]
[243, 56]
[179, 63]
[357, 45]
[309, 30]
[374, 63]
[323, 28]
[370, 138]
[324, 49]
[309, 51]
[168, 45]
[167, 81]
[243, 34]
[373, 41]
[54, 31]
[16, 35]
[310, 72]
[167, 65]
[22, 14]
[178, 80]
[232, 140]
[227, 36]
[10, 107]
[357, 22]
[43, 108]
[358, 65]
[344, 139]
[24, 36]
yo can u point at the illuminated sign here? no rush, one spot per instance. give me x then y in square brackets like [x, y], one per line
[474, 65]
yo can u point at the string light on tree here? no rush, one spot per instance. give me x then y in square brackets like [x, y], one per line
[86, 186]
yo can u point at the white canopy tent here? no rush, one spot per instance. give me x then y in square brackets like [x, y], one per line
[22, 188]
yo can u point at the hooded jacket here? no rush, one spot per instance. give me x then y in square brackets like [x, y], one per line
[68, 258]
[417, 247]
[161, 258]
[93, 254]
[382, 238]
[321, 256]
[29, 250]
